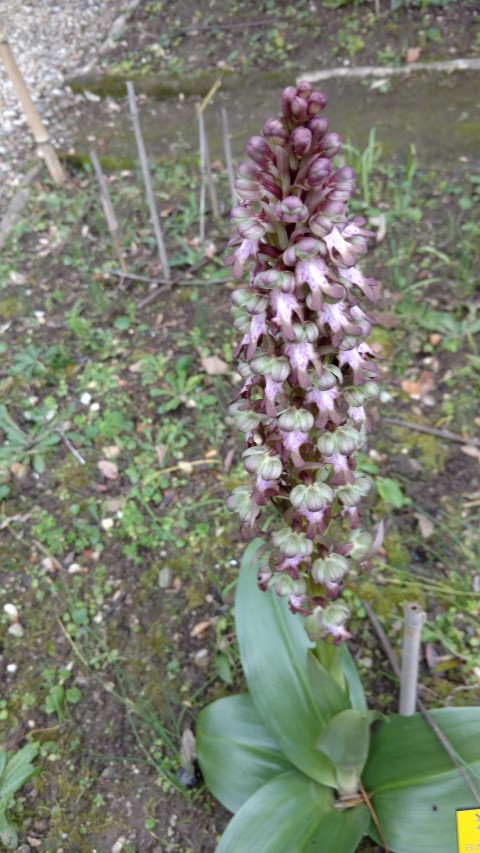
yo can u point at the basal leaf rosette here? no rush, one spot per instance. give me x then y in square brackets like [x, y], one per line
[306, 367]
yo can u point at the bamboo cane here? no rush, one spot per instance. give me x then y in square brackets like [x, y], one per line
[40, 134]
[203, 176]
[228, 156]
[132, 102]
[414, 617]
[109, 211]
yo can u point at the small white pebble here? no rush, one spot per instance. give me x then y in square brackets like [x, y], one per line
[11, 611]
[98, 618]
[85, 398]
[74, 568]
[95, 407]
[11, 668]
[16, 630]
[107, 523]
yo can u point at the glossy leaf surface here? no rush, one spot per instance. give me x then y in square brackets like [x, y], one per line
[416, 788]
[236, 753]
[294, 814]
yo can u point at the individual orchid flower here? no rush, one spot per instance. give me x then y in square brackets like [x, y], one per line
[306, 367]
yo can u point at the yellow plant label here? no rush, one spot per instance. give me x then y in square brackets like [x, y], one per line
[468, 830]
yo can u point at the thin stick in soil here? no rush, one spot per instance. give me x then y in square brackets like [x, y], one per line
[228, 154]
[203, 177]
[109, 211]
[440, 433]
[147, 181]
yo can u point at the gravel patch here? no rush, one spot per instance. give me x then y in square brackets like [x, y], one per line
[50, 39]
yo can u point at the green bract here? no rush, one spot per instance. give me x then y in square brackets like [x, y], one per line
[287, 757]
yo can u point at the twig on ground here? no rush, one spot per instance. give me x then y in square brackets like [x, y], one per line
[70, 446]
[146, 179]
[153, 295]
[147, 280]
[421, 707]
[108, 209]
[440, 433]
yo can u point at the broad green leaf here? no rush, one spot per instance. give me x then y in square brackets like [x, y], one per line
[235, 752]
[273, 649]
[415, 786]
[345, 741]
[3, 761]
[293, 814]
[19, 770]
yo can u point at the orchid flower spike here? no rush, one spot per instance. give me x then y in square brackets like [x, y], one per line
[307, 368]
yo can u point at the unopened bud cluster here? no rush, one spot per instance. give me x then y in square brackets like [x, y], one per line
[306, 368]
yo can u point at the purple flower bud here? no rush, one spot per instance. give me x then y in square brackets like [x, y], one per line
[275, 130]
[259, 151]
[331, 144]
[301, 140]
[316, 102]
[318, 172]
[292, 544]
[291, 209]
[280, 279]
[318, 126]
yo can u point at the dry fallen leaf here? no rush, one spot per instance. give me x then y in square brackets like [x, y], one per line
[112, 451]
[210, 250]
[202, 628]
[161, 451]
[187, 749]
[419, 388]
[108, 469]
[214, 366]
[470, 450]
[413, 54]
[228, 461]
[185, 467]
[425, 524]
[210, 454]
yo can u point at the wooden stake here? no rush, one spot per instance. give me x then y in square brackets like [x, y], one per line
[228, 155]
[108, 210]
[203, 183]
[132, 102]
[211, 185]
[414, 618]
[40, 134]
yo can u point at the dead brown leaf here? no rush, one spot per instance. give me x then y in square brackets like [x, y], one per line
[202, 628]
[419, 388]
[161, 452]
[425, 524]
[214, 365]
[210, 250]
[470, 450]
[413, 54]
[108, 469]
[111, 451]
[187, 750]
